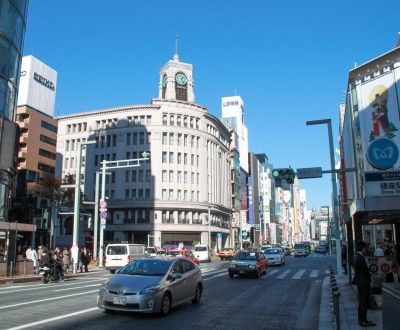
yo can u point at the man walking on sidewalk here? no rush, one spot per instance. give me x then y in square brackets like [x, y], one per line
[362, 278]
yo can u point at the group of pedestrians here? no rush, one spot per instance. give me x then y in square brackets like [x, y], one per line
[62, 260]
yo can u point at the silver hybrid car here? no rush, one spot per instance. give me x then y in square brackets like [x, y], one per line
[152, 285]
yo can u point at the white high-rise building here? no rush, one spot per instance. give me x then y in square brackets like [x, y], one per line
[182, 194]
[233, 116]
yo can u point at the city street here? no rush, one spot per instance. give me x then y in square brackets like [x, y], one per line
[287, 297]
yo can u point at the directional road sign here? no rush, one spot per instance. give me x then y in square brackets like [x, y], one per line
[309, 172]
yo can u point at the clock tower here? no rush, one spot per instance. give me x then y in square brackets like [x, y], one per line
[176, 80]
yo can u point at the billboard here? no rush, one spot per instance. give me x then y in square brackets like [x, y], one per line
[37, 87]
[379, 129]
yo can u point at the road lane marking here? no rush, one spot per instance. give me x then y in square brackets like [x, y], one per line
[214, 276]
[272, 272]
[299, 274]
[80, 287]
[48, 299]
[284, 274]
[41, 286]
[314, 273]
[53, 319]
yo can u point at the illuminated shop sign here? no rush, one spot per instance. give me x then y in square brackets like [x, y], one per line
[43, 81]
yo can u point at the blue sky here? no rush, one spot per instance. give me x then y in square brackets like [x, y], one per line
[288, 60]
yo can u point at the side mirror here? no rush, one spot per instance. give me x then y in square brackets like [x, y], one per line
[174, 276]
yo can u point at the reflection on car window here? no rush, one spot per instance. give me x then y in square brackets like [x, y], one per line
[177, 267]
[187, 265]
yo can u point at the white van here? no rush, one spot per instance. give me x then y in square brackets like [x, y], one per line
[202, 252]
[120, 254]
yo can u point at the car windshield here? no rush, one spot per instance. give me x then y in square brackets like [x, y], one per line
[227, 249]
[271, 251]
[246, 256]
[200, 248]
[299, 246]
[146, 267]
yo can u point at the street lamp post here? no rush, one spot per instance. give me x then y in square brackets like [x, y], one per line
[334, 190]
[77, 202]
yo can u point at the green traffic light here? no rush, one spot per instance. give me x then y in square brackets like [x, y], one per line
[275, 173]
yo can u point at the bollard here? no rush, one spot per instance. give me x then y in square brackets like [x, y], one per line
[24, 267]
[11, 268]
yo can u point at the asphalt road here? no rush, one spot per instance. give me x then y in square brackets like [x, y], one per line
[287, 297]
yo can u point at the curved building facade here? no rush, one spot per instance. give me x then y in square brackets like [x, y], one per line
[182, 194]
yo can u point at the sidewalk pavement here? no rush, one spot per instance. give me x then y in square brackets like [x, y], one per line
[348, 303]
[33, 278]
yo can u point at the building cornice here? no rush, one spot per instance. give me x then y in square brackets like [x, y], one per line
[108, 111]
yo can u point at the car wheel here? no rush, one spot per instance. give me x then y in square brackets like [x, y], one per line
[45, 279]
[258, 275]
[231, 275]
[197, 295]
[165, 304]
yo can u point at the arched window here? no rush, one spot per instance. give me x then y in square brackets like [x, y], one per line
[179, 121]
[172, 120]
[165, 120]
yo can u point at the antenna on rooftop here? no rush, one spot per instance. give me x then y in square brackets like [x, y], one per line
[176, 56]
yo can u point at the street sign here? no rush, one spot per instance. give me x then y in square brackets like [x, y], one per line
[103, 209]
[103, 226]
[309, 172]
[103, 204]
[219, 235]
[103, 215]
[103, 221]
[256, 227]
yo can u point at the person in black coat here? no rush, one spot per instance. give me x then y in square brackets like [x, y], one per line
[84, 259]
[390, 277]
[363, 279]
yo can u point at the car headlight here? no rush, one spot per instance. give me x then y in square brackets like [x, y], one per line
[252, 266]
[150, 289]
[231, 265]
[104, 287]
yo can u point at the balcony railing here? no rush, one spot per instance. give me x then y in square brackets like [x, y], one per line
[183, 220]
[197, 221]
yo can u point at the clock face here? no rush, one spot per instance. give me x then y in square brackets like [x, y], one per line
[181, 79]
[164, 81]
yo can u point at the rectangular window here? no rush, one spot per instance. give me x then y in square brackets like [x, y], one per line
[171, 176]
[148, 138]
[164, 176]
[192, 178]
[185, 140]
[179, 139]
[126, 193]
[47, 154]
[171, 138]
[148, 175]
[128, 139]
[67, 145]
[134, 138]
[141, 172]
[171, 157]
[185, 159]
[48, 126]
[179, 176]
[134, 176]
[147, 193]
[164, 138]
[185, 177]
[164, 157]
[114, 140]
[179, 196]
[171, 194]
[179, 158]
[141, 138]
[164, 194]
[192, 159]
[48, 140]
[127, 176]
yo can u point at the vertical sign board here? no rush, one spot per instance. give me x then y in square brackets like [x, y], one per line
[379, 267]
[379, 125]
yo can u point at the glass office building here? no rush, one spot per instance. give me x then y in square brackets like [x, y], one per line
[13, 14]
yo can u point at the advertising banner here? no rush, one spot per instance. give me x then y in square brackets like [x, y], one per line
[379, 128]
